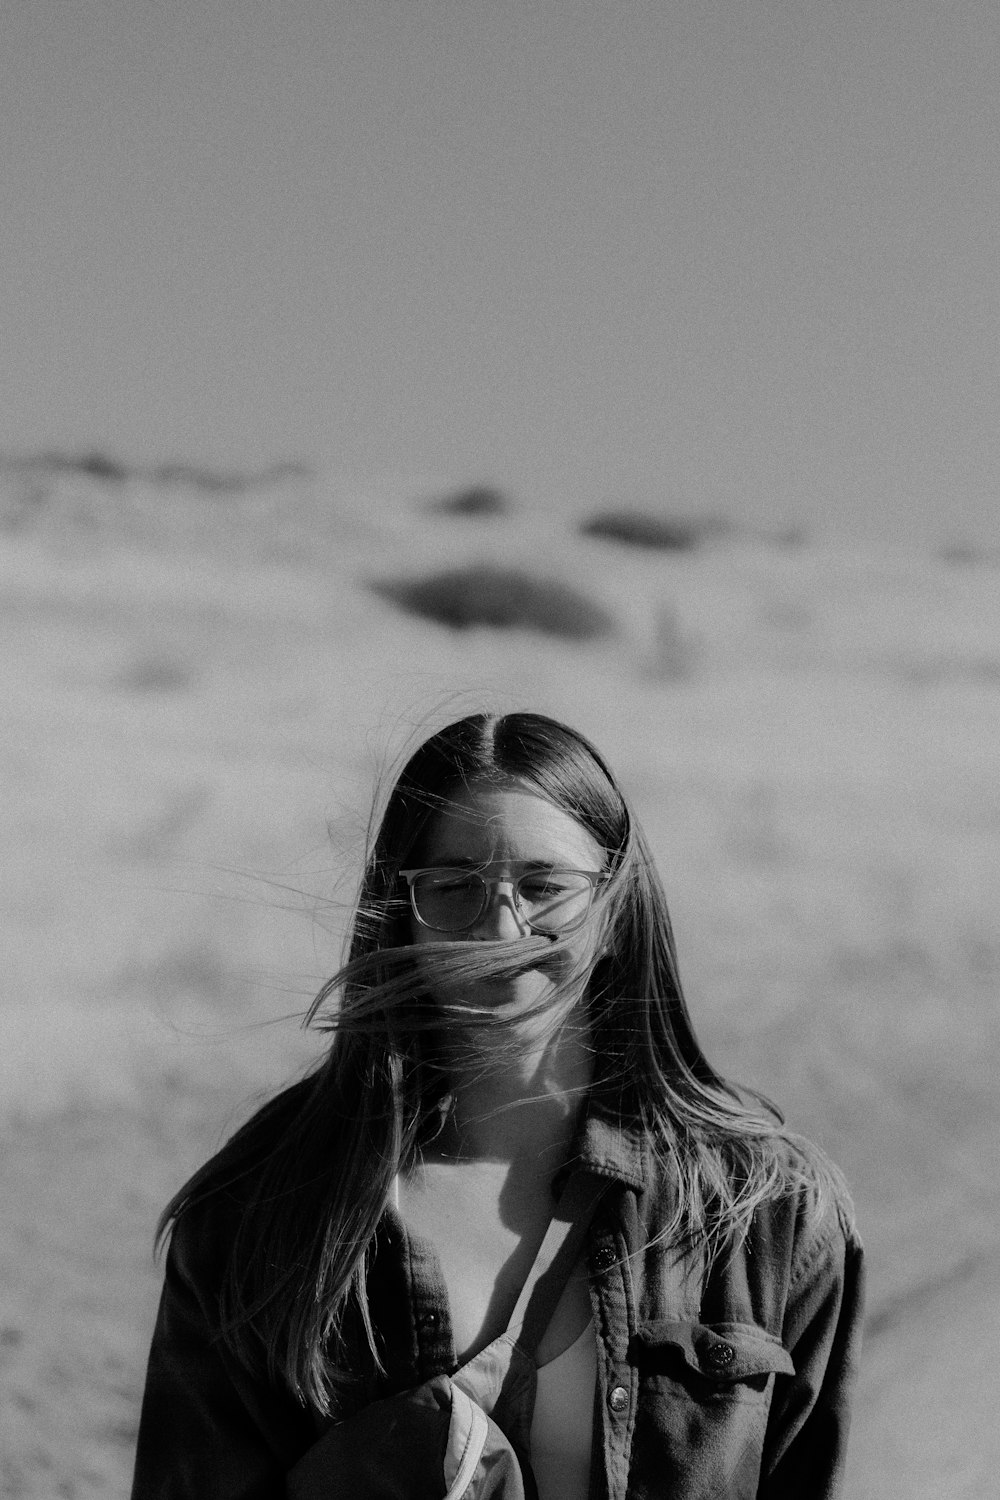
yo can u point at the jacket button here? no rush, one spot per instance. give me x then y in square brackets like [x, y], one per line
[618, 1399]
[603, 1259]
[721, 1356]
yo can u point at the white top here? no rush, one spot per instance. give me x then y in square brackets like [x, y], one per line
[562, 1422]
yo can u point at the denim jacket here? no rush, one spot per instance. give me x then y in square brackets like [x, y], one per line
[732, 1385]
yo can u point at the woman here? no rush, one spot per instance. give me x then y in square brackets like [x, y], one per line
[509, 1025]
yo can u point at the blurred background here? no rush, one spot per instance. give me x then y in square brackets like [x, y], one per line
[365, 365]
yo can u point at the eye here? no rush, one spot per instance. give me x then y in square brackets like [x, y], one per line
[554, 883]
[539, 885]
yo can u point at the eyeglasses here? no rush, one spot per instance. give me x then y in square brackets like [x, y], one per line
[453, 900]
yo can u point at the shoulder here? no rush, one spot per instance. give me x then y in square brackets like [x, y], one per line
[785, 1206]
[807, 1200]
[204, 1217]
[803, 1249]
[201, 1241]
[799, 1264]
[814, 1199]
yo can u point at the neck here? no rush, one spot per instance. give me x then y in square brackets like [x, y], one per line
[523, 1104]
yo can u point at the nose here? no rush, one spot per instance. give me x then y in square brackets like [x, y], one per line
[501, 920]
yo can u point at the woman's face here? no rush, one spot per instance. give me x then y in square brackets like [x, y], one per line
[506, 831]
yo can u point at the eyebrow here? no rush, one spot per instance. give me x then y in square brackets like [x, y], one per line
[455, 862]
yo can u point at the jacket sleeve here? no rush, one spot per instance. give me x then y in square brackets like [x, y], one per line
[806, 1443]
[208, 1430]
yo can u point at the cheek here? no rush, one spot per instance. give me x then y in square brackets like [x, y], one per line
[417, 934]
[590, 944]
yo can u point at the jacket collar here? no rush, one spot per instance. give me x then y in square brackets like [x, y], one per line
[610, 1147]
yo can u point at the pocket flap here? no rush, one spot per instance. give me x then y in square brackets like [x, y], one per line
[719, 1351]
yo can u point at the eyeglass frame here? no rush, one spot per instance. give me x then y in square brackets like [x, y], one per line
[595, 878]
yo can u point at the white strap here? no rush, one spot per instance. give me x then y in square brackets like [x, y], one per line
[467, 1434]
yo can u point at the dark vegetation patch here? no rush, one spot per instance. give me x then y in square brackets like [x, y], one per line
[225, 481]
[502, 598]
[96, 466]
[209, 481]
[155, 672]
[787, 536]
[965, 555]
[675, 654]
[634, 528]
[477, 500]
[984, 671]
[99, 465]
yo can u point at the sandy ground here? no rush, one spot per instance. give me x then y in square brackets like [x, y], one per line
[200, 692]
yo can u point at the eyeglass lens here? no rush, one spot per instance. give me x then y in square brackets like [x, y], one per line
[453, 900]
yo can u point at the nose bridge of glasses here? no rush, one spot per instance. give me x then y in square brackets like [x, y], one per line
[497, 896]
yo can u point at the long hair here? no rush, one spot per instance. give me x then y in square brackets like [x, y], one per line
[311, 1171]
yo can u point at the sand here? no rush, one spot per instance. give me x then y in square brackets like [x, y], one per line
[200, 691]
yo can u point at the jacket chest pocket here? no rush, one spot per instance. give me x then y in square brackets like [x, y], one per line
[714, 1362]
[703, 1398]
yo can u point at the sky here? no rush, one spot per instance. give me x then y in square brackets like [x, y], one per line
[728, 256]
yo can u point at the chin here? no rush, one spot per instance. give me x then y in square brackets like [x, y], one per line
[526, 989]
[509, 998]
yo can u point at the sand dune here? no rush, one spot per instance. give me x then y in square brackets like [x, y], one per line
[200, 689]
